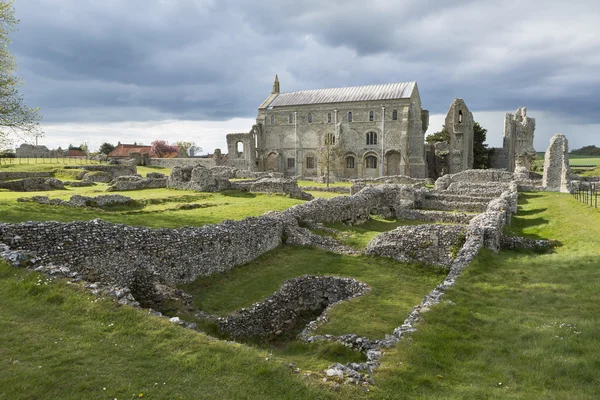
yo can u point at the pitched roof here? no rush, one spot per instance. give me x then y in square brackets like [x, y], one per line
[124, 150]
[388, 91]
[75, 153]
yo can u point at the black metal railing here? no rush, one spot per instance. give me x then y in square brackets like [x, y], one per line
[587, 193]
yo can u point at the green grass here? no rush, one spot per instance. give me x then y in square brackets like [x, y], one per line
[58, 342]
[359, 236]
[163, 214]
[502, 337]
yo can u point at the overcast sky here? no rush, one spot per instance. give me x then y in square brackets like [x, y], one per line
[195, 70]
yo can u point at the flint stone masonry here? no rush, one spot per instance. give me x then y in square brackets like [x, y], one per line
[484, 176]
[282, 311]
[273, 185]
[182, 162]
[98, 176]
[430, 244]
[81, 201]
[33, 185]
[21, 175]
[123, 183]
[113, 170]
[434, 216]
[556, 165]
[119, 253]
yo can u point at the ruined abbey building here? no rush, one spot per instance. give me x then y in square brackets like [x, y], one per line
[354, 132]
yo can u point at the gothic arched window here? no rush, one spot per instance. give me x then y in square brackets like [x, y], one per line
[371, 162]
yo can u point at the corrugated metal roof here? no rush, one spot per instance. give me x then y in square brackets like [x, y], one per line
[388, 91]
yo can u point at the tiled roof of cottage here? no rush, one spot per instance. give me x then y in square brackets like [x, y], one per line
[388, 91]
[124, 150]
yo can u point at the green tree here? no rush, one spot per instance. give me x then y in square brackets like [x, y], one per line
[441, 136]
[480, 151]
[106, 148]
[188, 149]
[16, 119]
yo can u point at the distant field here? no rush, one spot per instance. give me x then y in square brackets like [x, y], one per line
[574, 160]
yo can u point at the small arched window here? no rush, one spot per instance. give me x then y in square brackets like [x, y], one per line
[350, 116]
[310, 118]
[371, 138]
[371, 162]
[291, 117]
[395, 115]
[330, 139]
[350, 162]
[328, 118]
[371, 116]
[460, 116]
[272, 119]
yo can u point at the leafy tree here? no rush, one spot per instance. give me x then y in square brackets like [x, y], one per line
[106, 148]
[161, 149]
[188, 148]
[441, 136]
[480, 150]
[15, 117]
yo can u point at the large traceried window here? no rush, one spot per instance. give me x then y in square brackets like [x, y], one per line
[371, 162]
[310, 162]
[350, 162]
[371, 138]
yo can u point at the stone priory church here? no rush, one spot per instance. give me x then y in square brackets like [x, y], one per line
[355, 132]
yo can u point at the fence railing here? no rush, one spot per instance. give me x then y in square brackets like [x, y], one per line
[49, 160]
[587, 193]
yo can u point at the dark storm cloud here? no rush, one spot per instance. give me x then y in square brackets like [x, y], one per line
[211, 60]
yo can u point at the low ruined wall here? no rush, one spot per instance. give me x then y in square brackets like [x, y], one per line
[32, 184]
[430, 244]
[123, 183]
[119, 253]
[474, 176]
[182, 162]
[434, 216]
[21, 175]
[273, 185]
[115, 170]
[282, 311]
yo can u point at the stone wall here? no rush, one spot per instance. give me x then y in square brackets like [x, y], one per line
[115, 170]
[182, 162]
[282, 311]
[430, 244]
[123, 183]
[21, 175]
[556, 165]
[32, 184]
[120, 253]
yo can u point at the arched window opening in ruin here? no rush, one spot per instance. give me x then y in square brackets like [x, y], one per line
[310, 118]
[459, 116]
[291, 117]
[395, 115]
[371, 162]
[371, 116]
[255, 141]
[328, 118]
[350, 116]
[371, 138]
[239, 148]
[350, 162]
[272, 119]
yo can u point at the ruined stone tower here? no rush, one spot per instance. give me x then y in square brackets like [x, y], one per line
[518, 140]
[459, 124]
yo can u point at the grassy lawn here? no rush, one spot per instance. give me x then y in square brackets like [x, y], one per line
[360, 236]
[315, 184]
[58, 342]
[520, 325]
[157, 208]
